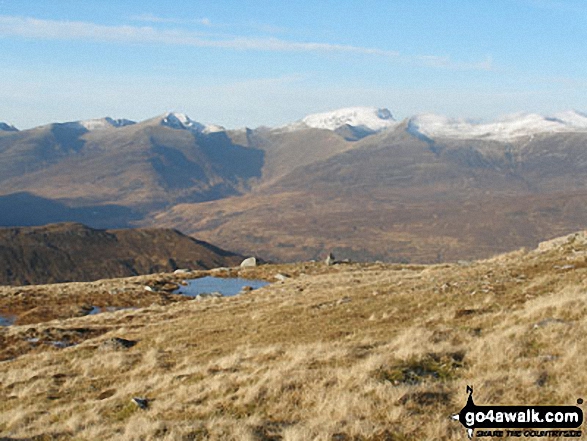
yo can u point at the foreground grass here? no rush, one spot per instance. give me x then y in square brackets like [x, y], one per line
[349, 352]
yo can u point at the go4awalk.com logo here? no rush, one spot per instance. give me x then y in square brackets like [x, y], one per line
[520, 421]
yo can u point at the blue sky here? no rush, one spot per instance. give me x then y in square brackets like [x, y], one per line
[255, 63]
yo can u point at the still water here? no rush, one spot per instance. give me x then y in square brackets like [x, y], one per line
[225, 286]
[7, 320]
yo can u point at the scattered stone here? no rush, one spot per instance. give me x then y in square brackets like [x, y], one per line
[281, 277]
[329, 260]
[168, 287]
[219, 269]
[549, 321]
[117, 343]
[60, 344]
[548, 357]
[249, 262]
[564, 267]
[181, 271]
[150, 288]
[143, 403]
[209, 295]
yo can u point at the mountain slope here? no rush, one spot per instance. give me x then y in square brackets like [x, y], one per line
[344, 352]
[396, 197]
[143, 165]
[74, 252]
[366, 118]
[504, 129]
[353, 181]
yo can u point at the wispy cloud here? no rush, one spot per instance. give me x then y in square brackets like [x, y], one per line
[75, 30]
[33, 28]
[263, 28]
[448, 63]
[150, 18]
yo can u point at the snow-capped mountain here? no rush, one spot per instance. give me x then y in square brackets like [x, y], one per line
[5, 127]
[181, 121]
[105, 123]
[503, 129]
[371, 119]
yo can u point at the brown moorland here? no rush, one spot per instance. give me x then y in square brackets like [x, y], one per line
[342, 352]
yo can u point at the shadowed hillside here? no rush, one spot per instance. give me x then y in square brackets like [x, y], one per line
[27, 210]
[74, 252]
[140, 166]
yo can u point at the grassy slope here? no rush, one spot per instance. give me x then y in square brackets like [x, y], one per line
[361, 352]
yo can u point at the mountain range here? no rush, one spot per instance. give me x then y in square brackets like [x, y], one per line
[354, 181]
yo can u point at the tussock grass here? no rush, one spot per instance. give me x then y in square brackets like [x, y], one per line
[350, 352]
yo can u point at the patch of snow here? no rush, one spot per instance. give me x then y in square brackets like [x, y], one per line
[572, 118]
[503, 129]
[105, 123]
[367, 118]
[181, 121]
[213, 128]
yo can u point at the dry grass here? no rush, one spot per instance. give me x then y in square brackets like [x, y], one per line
[349, 352]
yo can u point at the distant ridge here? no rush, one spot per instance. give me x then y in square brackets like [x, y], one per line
[71, 252]
[5, 127]
[353, 181]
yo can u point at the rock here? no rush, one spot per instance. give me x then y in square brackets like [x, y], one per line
[209, 295]
[181, 271]
[150, 288]
[549, 321]
[564, 267]
[117, 343]
[281, 277]
[220, 269]
[343, 300]
[143, 403]
[249, 263]
[168, 287]
[329, 259]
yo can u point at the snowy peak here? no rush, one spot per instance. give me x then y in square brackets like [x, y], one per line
[571, 118]
[181, 121]
[105, 123]
[503, 129]
[367, 118]
[213, 128]
[5, 127]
